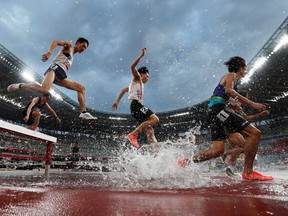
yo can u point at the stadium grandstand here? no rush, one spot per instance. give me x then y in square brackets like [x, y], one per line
[266, 82]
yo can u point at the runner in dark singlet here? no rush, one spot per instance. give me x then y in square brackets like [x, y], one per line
[236, 140]
[32, 112]
[222, 121]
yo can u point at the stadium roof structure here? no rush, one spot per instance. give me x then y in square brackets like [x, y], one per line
[266, 82]
[267, 73]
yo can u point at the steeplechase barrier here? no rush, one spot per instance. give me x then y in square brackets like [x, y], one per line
[12, 136]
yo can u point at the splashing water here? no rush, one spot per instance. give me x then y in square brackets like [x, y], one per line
[151, 167]
[155, 166]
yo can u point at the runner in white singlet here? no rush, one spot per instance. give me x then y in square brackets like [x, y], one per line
[143, 114]
[56, 73]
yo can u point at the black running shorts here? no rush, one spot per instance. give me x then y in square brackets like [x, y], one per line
[30, 119]
[140, 112]
[60, 74]
[222, 121]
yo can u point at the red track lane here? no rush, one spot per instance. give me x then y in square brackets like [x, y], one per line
[245, 198]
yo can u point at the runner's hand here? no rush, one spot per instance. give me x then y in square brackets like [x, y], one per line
[143, 50]
[58, 120]
[258, 106]
[263, 113]
[114, 106]
[26, 118]
[45, 56]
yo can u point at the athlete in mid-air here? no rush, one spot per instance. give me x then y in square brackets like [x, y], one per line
[57, 72]
[147, 119]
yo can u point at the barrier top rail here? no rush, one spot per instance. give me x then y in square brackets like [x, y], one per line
[16, 129]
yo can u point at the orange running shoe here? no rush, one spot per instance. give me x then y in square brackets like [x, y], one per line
[183, 162]
[133, 140]
[256, 176]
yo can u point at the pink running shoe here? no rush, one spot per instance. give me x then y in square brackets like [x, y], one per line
[133, 140]
[183, 162]
[256, 176]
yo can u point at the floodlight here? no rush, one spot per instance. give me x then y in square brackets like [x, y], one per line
[259, 63]
[245, 79]
[179, 114]
[282, 42]
[28, 76]
[55, 95]
[117, 118]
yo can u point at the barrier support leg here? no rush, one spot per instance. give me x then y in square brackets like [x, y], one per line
[48, 157]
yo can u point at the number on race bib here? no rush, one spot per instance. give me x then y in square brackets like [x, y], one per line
[144, 109]
[222, 116]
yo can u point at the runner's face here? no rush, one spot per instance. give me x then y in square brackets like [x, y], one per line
[82, 46]
[242, 71]
[144, 77]
[46, 98]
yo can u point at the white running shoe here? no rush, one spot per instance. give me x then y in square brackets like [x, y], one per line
[87, 116]
[14, 87]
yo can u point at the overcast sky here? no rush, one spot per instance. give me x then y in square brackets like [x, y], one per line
[187, 42]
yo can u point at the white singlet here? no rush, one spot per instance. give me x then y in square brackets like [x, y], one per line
[136, 91]
[64, 60]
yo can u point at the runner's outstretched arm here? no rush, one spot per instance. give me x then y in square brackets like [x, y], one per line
[33, 102]
[123, 91]
[53, 113]
[134, 64]
[54, 43]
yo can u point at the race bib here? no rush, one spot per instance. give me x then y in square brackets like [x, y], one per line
[222, 116]
[54, 67]
[144, 109]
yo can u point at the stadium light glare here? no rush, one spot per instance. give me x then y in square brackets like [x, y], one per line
[245, 79]
[179, 114]
[12, 101]
[55, 95]
[257, 65]
[283, 41]
[117, 118]
[283, 95]
[28, 76]
[261, 61]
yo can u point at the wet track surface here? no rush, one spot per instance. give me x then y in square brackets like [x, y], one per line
[88, 193]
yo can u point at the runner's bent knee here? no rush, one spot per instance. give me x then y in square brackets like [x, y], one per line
[155, 119]
[78, 87]
[36, 113]
[255, 134]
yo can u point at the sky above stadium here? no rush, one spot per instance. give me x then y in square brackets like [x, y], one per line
[187, 43]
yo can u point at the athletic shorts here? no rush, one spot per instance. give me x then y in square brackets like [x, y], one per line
[30, 119]
[222, 121]
[139, 111]
[60, 74]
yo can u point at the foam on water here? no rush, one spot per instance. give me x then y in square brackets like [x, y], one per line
[24, 189]
[155, 166]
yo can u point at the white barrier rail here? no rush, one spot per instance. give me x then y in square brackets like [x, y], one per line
[10, 128]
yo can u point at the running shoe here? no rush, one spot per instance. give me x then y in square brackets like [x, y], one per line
[87, 116]
[14, 87]
[133, 140]
[256, 176]
[229, 171]
[183, 162]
